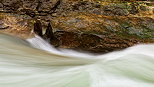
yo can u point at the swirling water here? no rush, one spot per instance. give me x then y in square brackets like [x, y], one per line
[35, 63]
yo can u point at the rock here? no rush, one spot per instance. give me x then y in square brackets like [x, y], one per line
[11, 5]
[67, 39]
[38, 28]
[116, 9]
[17, 25]
[49, 32]
[3, 26]
[87, 25]
[97, 33]
[29, 7]
[97, 24]
[102, 8]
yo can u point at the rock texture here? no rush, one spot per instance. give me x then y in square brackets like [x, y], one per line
[20, 26]
[88, 25]
[99, 33]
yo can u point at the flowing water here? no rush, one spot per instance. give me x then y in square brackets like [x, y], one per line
[35, 63]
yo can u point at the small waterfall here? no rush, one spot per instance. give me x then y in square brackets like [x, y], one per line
[40, 43]
[37, 64]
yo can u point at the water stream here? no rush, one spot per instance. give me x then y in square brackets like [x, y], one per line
[35, 63]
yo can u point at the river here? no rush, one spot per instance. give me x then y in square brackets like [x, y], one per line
[35, 63]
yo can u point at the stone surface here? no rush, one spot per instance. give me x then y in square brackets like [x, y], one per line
[102, 25]
[98, 33]
[87, 25]
[20, 26]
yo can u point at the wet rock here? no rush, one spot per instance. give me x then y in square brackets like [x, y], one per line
[143, 8]
[97, 33]
[38, 28]
[108, 9]
[11, 5]
[82, 25]
[90, 23]
[67, 39]
[2, 25]
[49, 32]
[117, 9]
[29, 7]
[91, 42]
[17, 25]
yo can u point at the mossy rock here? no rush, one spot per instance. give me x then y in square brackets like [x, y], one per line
[97, 33]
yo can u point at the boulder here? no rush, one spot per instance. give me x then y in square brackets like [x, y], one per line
[87, 25]
[97, 33]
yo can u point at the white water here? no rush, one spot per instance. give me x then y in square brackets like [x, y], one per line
[21, 65]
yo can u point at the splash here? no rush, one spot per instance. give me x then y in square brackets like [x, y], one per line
[37, 64]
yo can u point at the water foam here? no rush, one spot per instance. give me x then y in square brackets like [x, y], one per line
[24, 66]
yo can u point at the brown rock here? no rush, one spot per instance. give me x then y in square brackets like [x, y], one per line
[97, 33]
[16, 25]
[81, 25]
